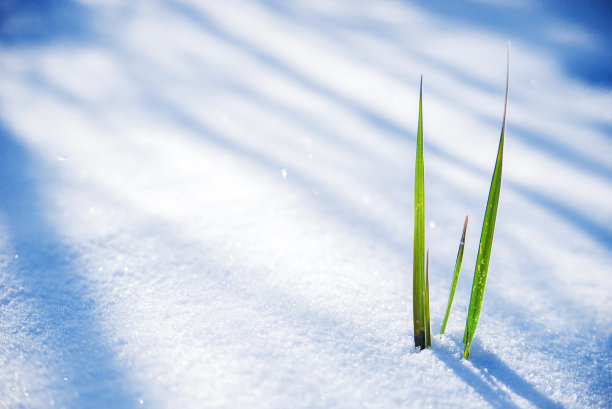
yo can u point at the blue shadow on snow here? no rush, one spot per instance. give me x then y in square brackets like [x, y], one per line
[484, 382]
[42, 21]
[65, 319]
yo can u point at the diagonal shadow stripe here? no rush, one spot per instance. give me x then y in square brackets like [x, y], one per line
[64, 320]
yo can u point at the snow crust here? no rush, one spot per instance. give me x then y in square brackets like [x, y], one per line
[209, 204]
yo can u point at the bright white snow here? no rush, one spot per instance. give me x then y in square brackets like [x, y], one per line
[209, 204]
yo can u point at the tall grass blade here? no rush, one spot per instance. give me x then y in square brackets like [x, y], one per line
[486, 236]
[455, 276]
[418, 261]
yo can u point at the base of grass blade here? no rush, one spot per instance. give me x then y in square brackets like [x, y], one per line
[466, 351]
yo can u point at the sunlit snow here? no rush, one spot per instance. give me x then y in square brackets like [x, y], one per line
[208, 204]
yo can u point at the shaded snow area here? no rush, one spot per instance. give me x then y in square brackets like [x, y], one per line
[209, 204]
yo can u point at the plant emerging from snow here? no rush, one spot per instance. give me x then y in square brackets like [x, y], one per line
[420, 292]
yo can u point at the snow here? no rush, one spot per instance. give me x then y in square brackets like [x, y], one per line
[209, 204]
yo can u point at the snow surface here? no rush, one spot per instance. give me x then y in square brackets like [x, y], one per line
[209, 205]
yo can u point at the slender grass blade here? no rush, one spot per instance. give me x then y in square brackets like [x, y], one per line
[455, 276]
[418, 261]
[486, 237]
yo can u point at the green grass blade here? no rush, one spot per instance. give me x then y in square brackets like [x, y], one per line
[455, 276]
[486, 237]
[418, 261]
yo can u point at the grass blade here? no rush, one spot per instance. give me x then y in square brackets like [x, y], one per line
[486, 237]
[455, 276]
[418, 261]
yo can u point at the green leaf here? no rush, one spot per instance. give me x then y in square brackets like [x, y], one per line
[418, 262]
[455, 276]
[486, 237]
